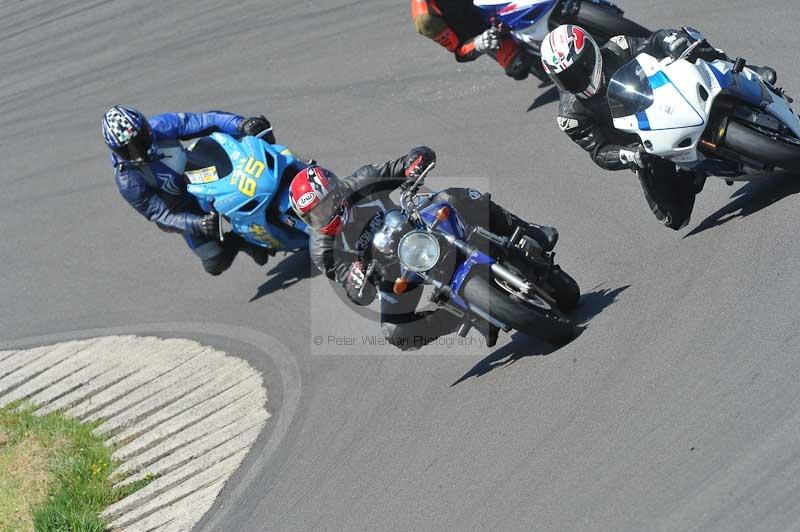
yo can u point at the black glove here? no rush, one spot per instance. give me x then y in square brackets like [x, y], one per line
[417, 161]
[208, 226]
[358, 288]
[256, 124]
[678, 46]
[677, 42]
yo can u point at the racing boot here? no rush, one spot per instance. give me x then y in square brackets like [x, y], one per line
[544, 236]
[505, 223]
[547, 237]
[259, 255]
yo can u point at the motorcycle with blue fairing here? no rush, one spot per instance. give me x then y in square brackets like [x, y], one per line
[247, 182]
[529, 21]
[490, 282]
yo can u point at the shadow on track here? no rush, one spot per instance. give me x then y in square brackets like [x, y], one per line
[521, 346]
[549, 96]
[751, 198]
[291, 270]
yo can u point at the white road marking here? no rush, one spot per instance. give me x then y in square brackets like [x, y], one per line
[179, 516]
[190, 443]
[150, 382]
[174, 409]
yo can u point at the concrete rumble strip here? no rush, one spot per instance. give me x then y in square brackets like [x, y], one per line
[173, 408]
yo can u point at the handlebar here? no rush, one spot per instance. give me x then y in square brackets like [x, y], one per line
[699, 39]
[405, 200]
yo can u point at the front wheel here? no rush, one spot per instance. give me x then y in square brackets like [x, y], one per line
[765, 146]
[564, 289]
[603, 22]
[534, 317]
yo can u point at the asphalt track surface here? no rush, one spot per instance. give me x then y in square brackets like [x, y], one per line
[676, 409]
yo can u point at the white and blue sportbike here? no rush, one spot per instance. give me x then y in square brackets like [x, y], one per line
[716, 118]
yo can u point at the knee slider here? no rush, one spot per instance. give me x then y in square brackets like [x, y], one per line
[215, 266]
[394, 335]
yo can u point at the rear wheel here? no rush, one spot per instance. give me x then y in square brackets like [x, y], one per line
[532, 315]
[762, 145]
[604, 22]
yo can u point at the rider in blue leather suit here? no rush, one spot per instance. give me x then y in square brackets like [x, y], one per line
[149, 162]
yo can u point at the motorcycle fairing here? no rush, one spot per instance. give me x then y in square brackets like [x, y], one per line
[477, 258]
[740, 86]
[683, 94]
[516, 15]
[453, 225]
[243, 195]
[749, 87]
[672, 120]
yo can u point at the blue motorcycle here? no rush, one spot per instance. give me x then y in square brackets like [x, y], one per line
[247, 183]
[529, 21]
[489, 281]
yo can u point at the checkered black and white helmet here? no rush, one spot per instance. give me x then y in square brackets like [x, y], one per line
[127, 133]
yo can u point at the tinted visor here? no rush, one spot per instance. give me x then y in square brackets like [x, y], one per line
[138, 148]
[577, 77]
[333, 205]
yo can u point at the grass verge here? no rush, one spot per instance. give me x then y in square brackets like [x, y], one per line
[53, 474]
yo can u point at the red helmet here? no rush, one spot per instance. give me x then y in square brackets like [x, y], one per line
[319, 199]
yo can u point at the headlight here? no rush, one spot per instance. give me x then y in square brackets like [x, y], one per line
[395, 219]
[385, 240]
[418, 251]
[382, 242]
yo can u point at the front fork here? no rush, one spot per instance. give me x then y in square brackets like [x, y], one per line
[518, 245]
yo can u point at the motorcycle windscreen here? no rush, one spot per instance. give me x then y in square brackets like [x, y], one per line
[207, 153]
[629, 91]
[203, 175]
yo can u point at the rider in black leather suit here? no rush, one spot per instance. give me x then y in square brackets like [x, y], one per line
[342, 256]
[669, 192]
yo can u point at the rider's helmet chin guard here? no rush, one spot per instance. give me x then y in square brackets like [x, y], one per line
[319, 199]
[127, 133]
[572, 59]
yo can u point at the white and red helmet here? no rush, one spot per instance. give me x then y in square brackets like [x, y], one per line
[319, 199]
[573, 61]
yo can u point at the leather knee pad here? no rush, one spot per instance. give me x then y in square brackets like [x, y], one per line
[219, 263]
[429, 25]
[396, 336]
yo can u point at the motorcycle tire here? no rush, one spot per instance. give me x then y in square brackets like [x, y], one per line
[565, 289]
[545, 323]
[760, 146]
[603, 23]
